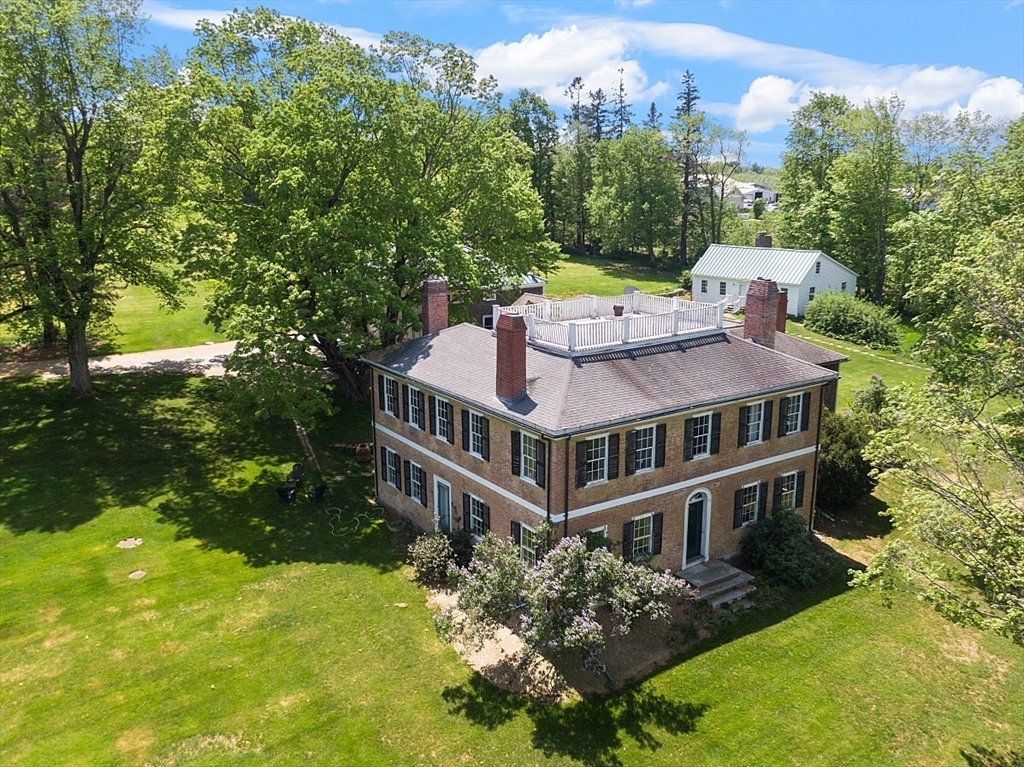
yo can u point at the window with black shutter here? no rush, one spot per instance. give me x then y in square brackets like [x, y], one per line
[805, 412]
[581, 463]
[465, 430]
[659, 445]
[741, 439]
[688, 439]
[517, 532]
[449, 414]
[777, 493]
[421, 416]
[657, 524]
[516, 448]
[631, 452]
[380, 392]
[766, 421]
[627, 541]
[613, 456]
[432, 408]
[407, 473]
[737, 509]
[465, 512]
[800, 476]
[542, 463]
[762, 500]
[783, 416]
[405, 403]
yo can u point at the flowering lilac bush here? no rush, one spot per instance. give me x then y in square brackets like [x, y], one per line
[554, 604]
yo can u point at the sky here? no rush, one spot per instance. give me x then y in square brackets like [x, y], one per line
[754, 61]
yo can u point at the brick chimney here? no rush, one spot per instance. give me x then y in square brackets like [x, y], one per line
[780, 316]
[761, 312]
[434, 313]
[510, 371]
[764, 240]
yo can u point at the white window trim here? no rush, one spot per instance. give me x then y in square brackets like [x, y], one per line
[757, 501]
[799, 398]
[760, 423]
[604, 478]
[653, 429]
[438, 527]
[439, 408]
[789, 475]
[473, 417]
[410, 393]
[649, 516]
[703, 286]
[390, 454]
[706, 453]
[705, 523]
[391, 399]
[523, 548]
[415, 470]
[722, 288]
[522, 456]
[473, 499]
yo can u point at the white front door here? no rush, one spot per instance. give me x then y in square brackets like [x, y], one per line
[443, 504]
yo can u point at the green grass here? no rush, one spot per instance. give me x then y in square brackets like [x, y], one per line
[259, 638]
[893, 367]
[604, 277]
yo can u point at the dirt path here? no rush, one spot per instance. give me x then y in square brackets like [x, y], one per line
[205, 360]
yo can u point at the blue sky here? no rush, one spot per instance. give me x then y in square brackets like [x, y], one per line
[754, 60]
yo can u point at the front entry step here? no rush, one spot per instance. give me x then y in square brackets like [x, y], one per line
[718, 582]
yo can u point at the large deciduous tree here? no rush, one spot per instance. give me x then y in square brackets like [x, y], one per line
[86, 178]
[333, 181]
[534, 122]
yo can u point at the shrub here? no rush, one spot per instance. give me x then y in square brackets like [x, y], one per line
[686, 279]
[462, 545]
[869, 404]
[779, 548]
[430, 556]
[840, 315]
[843, 471]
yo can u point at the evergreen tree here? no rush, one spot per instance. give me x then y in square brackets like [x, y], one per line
[623, 111]
[653, 119]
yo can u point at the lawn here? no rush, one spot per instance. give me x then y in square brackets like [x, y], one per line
[604, 277]
[258, 637]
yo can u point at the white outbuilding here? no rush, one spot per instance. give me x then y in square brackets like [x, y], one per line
[724, 273]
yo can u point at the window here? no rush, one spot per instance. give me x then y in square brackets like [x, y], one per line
[414, 409]
[392, 466]
[721, 288]
[755, 423]
[489, 321]
[794, 413]
[529, 542]
[645, 448]
[703, 286]
[529, 459]
[643, 452]
[597, 459]
[793, 403]
[476, 434]
[701, 437]
[641, 537]
[442, 423]
[416, 482]
[810, 294]
[755, 416]
[843, 287]
[476, 515]
[749, 503]
[787, 488]
[817, 267]
[388, 395]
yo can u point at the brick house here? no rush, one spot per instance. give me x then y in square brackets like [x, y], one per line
[641, 417]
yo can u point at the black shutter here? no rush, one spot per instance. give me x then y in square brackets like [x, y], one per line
[777, 495]
[419, 401]
[465, 430]
[432, 406]
[799, 489]
[737, 509]
[613, 456]
[450, 411]
[688, 440]
[659, 445]
[423, 486]
[487, 517]
[407, 474]
[783, 412]
[405, 403]
[741, 440]
[465, 512]
[716, 432]
[581, 463]
[631, 452]
[766, 421]
[485, 447]
[517, 533]
[380, 391]
[627, 540]
[762, 499]
[516, 459]
[805, 412]
[384, 463]
[657, 523]
[542, 463]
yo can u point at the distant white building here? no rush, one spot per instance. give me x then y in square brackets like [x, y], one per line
[742, 194]
[724, 272]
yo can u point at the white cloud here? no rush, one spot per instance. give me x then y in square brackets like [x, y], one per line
[180, 18]
[769, 101]
[1001, 97]
[357, 35]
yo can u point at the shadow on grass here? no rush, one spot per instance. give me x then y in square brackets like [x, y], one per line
[173, 443]
[980, 756]
[590, 731]
[865, 520]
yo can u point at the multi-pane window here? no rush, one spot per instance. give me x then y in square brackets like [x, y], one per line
[703, 286]
[793, 404]
[390, 403]
[755, 417]
[478, 514]
[721, 288]
[392, 467]
[843, 287]
[702, 435]
[644, 450]
[477, 434]
[810, 294]
[529, 545]
[529, 468]
[788, 495]
[418, 483]
[416, 414]
[750, 499]
[643, 536]
[817, 267]
[443, 419]
[597, 459]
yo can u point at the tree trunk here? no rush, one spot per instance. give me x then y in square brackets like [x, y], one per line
[51, 336]
[78, 361]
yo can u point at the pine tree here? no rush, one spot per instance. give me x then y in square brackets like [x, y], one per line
[653, 119]
[623, 111]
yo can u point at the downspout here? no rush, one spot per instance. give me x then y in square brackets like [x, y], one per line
[565, 522]
[547, 484]
[817, 451]
[376, 448]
